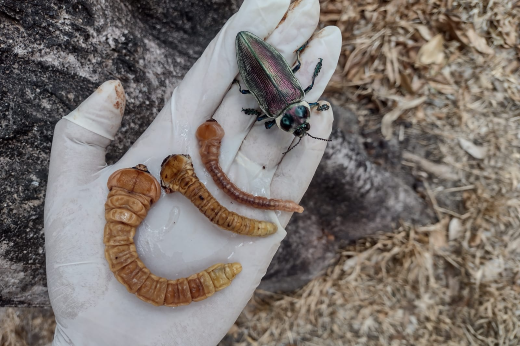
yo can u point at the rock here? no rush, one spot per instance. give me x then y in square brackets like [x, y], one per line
[349, 198]
[53, 55]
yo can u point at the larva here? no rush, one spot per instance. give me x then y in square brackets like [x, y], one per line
[132, 192]
[177, 174]
[210, 135]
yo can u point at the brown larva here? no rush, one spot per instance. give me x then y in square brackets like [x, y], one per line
[210, 135]
[177, 174]
[132, 192]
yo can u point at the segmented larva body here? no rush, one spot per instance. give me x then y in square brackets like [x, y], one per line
[132, 192]
[177, 174]
[210, 135]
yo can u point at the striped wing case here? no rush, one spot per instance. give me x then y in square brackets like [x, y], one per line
[266, 74]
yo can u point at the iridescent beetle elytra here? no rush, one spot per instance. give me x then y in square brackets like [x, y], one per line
[269, 77]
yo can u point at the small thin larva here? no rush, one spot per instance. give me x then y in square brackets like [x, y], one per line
[132, 192]
[177, 174]
[210, 135]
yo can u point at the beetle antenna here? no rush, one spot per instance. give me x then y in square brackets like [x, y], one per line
[321, 139]
[291, 148]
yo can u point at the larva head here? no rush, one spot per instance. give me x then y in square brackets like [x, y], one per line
[136, 180]
[171, 168]
[210, 130]
[295, 119]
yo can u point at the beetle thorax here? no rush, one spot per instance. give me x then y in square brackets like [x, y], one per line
[294, 119]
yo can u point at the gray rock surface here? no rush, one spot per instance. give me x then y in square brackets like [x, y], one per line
[53, 55]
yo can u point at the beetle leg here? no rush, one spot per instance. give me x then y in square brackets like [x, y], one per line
[299, 63]
[317, 70]
[320, 108]
[259, 115]
[245, 92]
[269, 124]
[251, 111]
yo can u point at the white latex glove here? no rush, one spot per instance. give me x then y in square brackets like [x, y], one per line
[176, 240]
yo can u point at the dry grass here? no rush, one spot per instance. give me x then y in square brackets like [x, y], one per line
[442, 78]
[26, 326]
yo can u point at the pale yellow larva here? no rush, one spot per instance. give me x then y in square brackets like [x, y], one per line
[177, 174]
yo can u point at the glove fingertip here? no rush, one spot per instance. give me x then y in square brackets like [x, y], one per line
[102, 111]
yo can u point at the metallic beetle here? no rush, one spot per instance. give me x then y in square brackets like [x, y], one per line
[268, 76]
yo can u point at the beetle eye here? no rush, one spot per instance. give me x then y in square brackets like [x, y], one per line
[286, 122]
[302, 112]
[306, 126]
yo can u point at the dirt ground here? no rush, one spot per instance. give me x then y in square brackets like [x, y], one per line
[439, 80]
[26, 326]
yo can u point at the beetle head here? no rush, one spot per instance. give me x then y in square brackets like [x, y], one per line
[295, 119]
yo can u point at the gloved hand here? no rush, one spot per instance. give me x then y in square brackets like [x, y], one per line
[176, 240]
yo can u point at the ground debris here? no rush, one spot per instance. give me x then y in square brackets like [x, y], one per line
[432, 52]
[476, 151]
[455, 282]
[26, 326]
[440, 170]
